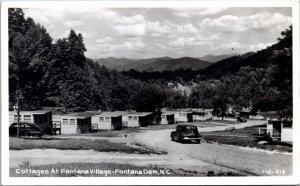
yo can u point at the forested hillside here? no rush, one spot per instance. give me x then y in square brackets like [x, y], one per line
[43, 72]
[153, 64]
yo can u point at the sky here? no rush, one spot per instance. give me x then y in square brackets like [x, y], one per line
[156, 32]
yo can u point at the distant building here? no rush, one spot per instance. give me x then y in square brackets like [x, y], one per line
[280, 129]
[167, 117]
[202, 114]
[268, 115]
[41, 118]
[183, 116]
[137, 119]
[108, 120]
[74, 123]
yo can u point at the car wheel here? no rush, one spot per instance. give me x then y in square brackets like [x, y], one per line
[181, 140]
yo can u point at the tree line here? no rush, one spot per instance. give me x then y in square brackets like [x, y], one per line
[44, 72]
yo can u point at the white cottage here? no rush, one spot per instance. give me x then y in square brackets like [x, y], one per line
[183, 116]
[202, 114]
[108, 120]
[74, 123]
[280, 129]
[41, 118]
[137, 119]
[167, 117]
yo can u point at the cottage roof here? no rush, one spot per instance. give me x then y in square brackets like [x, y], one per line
[111, 114]
[81, 115]
[268, 114]
[201, 110]
[31, 112]
[169, 112]
[139, 113]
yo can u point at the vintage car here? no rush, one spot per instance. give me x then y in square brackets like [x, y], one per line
[186, 133]
[26, 129]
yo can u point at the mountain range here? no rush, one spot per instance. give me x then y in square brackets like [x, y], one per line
[161, 63]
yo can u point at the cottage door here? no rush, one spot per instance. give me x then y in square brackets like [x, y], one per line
[36, 119]
[277, 130]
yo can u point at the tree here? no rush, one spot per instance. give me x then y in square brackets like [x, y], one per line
[148, 99]
[29, 51]
[70, 83]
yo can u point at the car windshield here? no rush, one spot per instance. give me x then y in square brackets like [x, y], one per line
[190, 129]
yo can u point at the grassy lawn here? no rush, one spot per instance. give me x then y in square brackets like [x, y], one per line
[113, 133]
[103, 169]
[247, 137]
[77, 144]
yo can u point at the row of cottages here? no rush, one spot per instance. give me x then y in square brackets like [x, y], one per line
[41, 118]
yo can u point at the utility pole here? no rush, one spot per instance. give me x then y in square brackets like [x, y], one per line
[19, 97]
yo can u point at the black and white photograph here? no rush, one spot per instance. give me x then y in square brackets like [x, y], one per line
[149, 91]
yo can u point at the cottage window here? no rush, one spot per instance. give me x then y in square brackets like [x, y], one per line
[135, 118]
[16, 117]
[180, 114]
[65, 121]
[101, 118]
[163, 116]
[287, 124]
[72, 121]
[107, 118]
[129, 117]
[27, 117]
[183, 114]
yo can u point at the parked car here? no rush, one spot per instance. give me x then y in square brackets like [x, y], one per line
[241, 119]
[186, 133]
[26, 129]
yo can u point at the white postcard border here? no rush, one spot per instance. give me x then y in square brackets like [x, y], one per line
[280, 180]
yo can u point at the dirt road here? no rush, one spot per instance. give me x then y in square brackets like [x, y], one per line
[251, 161]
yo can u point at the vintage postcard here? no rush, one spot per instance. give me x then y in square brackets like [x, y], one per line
[149, 92]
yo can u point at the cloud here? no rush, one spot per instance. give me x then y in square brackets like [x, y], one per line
[137, 19]
[183, 42]
[188, 13]
[153, 32]
[104, 40]
[230, 23]
[130, 30]
[187, 28]
[72, 23]
[138, 26]
[156, 29]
